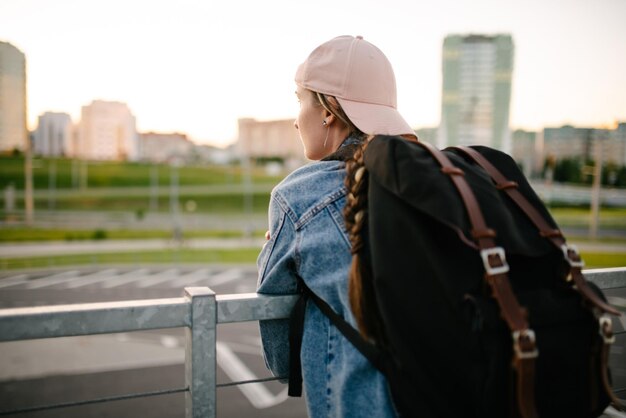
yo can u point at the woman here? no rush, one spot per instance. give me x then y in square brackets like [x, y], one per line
[347, 93]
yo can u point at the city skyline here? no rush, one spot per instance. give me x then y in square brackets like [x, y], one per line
[198, 68]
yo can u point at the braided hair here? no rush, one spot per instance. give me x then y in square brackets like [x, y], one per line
[360, 285]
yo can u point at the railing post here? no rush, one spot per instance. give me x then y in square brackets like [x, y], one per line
[200, 360]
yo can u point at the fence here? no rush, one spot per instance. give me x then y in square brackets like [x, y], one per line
[199, 311]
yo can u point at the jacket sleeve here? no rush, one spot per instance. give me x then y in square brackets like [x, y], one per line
[277, 275]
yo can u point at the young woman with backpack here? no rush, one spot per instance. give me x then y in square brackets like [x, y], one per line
[347, 93]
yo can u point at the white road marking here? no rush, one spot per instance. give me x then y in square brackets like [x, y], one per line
[14, 280]
[129, 277]
[88, 279]
[63, 277]
[258, 395]
[225, 277]
[157, 278]
[190, 278]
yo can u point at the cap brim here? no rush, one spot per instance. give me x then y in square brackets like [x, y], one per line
[374, 119]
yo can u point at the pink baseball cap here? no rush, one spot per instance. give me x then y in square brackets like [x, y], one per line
[360, 76]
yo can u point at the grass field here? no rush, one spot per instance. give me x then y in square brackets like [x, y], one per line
[182, 256]
[65, 173]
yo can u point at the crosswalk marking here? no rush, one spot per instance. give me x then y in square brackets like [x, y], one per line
[89, 279]
[225, 277]
[14, 280]
[140, 278]
[125, 278]
[157, 278]
[63, 277]
[190, 278]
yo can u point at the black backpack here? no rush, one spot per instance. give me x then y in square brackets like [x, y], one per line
[485, 308]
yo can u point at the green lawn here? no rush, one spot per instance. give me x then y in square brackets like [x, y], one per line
[603, 260]
[119, 174]
[245, 255]
[8, 235]
[608, 217]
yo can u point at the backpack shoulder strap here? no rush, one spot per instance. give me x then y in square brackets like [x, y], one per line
[296, 329]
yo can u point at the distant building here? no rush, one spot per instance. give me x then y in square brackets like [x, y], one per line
[427, 134]
[13, 130]
[579, 143]
[214, 155]
[524, 151]
[54, 135]
[162, 147]
[476, 91]
[107, 132]
[277, 138]
[567, 142]
[616, 145]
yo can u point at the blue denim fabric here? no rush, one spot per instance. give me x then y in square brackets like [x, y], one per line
[308, 238]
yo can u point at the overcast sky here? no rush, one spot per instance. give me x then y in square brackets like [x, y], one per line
[196, 66]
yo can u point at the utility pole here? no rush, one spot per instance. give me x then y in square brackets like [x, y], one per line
[154, 188]
[595, 188]
[247, 192]
[52, 182]
[29, 207]
[177, 233]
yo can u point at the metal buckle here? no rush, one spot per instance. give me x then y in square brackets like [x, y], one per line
[493, 270]
[607, 335]
[530, 334]
[566, 249]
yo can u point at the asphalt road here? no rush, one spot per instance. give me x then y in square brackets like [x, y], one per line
[61, 370]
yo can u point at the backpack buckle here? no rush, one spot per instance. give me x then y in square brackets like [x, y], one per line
[525, 337]
[606, 329]
[572, 249]
[494, 252]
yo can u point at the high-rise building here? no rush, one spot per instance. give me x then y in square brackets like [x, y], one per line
[13, 130]
[107, 132]
[476, 93]
[53, 136]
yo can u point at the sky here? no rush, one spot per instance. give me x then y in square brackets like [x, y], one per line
[196, 66]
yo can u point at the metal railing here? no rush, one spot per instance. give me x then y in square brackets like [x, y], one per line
[199, 311]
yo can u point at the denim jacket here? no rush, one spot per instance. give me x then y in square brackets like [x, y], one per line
[308, 239]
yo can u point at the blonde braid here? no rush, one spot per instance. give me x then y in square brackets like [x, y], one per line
[360, 286]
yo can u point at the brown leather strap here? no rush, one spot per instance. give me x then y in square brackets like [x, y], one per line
[495, 275]
[525, 394]
[545, 230]
[510, 187]
[471, 204]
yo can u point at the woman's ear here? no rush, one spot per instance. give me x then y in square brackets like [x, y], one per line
[329, 118]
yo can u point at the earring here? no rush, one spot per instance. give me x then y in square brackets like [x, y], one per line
[324, 123]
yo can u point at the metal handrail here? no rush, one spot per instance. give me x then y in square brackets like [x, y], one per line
[199, 311]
